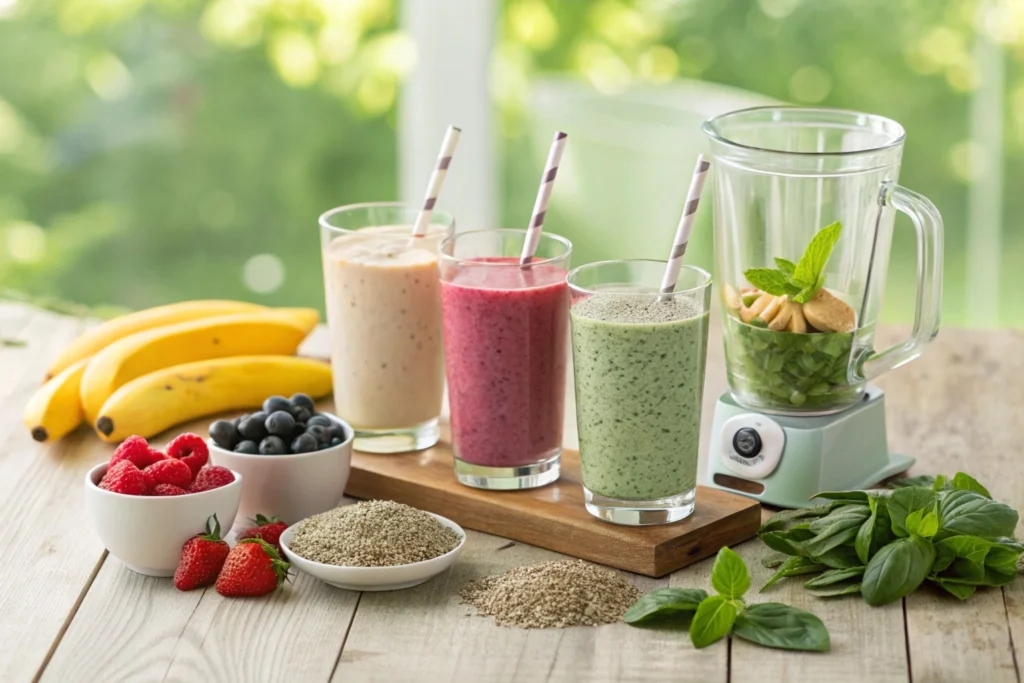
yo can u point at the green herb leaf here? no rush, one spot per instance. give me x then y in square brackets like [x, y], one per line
[782, 519]
[836, 529]
[842, 557]
[960, 590]
[786, 266]
[923, 523]
[920, 480]
[665, 606]
[729, 575]
[794, 566]
[713, 620]
[773, 560]
[835, 590]
[966, 482]
[971, 514]
[834, 576]
[773, 624]
[906, 500]
[815, 257]
[769, 280]
[787, 542]
[876, 530]
[897, 570]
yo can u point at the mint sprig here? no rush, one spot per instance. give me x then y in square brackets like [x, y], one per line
[799, 281]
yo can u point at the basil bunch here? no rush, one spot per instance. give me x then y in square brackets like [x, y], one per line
[885, 544]
[713, 617]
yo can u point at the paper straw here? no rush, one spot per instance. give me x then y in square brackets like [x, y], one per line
[675, 259]
[540, 207]
[444, 159]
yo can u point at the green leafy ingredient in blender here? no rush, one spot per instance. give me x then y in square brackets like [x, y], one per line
[799, 281]
[713, 617]
[940, 530]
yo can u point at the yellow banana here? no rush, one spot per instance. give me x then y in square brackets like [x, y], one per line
[270, 332]
[152, 403]
[55, 409]
[103, 335]
[307, 317]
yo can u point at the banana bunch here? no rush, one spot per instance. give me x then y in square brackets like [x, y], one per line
[147, 371]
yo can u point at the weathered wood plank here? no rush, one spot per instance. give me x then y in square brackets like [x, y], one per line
[957, 409]
[426, 634]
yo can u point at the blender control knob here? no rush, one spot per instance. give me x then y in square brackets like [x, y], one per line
[751, 445]
[747, 442]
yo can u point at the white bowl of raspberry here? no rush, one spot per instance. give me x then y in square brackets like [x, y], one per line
[144, 515]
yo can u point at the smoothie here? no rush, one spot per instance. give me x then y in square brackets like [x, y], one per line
[505, 331]
[384, 310]
[639, 371]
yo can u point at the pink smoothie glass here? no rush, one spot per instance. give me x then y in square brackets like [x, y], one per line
[505, 336]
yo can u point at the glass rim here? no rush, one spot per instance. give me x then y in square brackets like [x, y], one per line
[488, 264]
[324, 219]
[711, 128]
[706, 277]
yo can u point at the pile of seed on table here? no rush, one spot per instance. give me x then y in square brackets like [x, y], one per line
[374, 533]
[553, 595]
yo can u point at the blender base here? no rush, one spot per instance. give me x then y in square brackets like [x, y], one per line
[783, 460]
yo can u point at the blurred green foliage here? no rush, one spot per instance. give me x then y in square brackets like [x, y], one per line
[153, 150]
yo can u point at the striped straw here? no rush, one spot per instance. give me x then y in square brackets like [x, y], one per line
[675, 259]
[540, 207]
[444, 159]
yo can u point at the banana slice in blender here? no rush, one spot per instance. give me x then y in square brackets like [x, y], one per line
[754, 310]
[797, 321]
[782, 318]
[828, 313]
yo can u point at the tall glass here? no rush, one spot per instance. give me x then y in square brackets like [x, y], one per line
[384, 311]
[505, 331]
[639, 359]
[781, 175]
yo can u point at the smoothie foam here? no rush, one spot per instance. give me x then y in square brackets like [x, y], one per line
[639, 371]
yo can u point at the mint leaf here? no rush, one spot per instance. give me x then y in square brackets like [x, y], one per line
[713, 620]
[812, 263]
[773, 624]
[769, 280]
[665, 606]
[786, 266]
[729, 575]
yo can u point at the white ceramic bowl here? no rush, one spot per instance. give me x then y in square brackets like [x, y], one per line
[147, 532]
[290, 487]
[377, 578]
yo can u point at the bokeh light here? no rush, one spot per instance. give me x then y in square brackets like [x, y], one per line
[263, 273]
[26, 242]
[108, 77]
[810, 84]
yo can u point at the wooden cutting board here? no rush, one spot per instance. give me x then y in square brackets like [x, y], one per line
[553, 516]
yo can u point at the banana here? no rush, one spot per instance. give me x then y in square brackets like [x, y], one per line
[152, 403]
[270, 332]
[103, 335]
[307, 317]
[55, 408]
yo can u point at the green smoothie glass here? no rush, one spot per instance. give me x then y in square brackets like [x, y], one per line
[638, 361]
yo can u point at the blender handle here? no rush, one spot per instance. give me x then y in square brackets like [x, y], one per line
[928, 223]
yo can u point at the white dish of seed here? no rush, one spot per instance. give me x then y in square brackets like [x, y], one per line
[375, 545]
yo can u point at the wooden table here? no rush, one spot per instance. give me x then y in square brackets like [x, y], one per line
[70, 613]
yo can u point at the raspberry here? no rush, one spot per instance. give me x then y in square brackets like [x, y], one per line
[211, 477]
[169, 471]
[124, 477]
[168, 490]
[191, 449]
[137, 450]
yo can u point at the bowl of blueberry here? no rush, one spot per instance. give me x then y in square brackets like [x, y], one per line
[294, 461]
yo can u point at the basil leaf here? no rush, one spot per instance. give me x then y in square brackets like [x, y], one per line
[786, 542]
[834, 576]
[843, 557]
[971, 514]
[835, 590]
[794, 566]
[960, 590]
[922, 523]
[836, 529]
[966, 482]
[665, 605]
[782, 519]
[904, 501]
[812, 263]
[920, 480]
[774, 560]
[773, 624]
[729, 575]
[876, 530]
[785, 266]
[897, 570]
[769, 280]
[713, 620]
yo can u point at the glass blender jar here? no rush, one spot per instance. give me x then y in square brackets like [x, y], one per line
[804, 204]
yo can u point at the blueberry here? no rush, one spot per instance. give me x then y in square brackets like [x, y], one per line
[336, 441]
[239, 420]
[249, 447]
[224, 434]
[252, 428]
[304, 443]
[303, 400]
[299, 428]
[272, 445]
[276, 403]
[280, 423]
[321, 420]
[320, 433]
[338, 432]
[301, 413]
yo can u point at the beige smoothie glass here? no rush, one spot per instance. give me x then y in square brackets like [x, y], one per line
[384, 312]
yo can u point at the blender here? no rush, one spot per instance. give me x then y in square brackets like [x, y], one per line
[804, 207]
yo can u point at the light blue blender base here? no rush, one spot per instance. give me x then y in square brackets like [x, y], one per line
[847, 450]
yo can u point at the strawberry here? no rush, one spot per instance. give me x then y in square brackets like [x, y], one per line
[169, 471]
[269, 530]
[211, 477]
[167, 490]
[191, 449]
[202, 558]
[138, 451]
[124, 477]
[253, 568]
